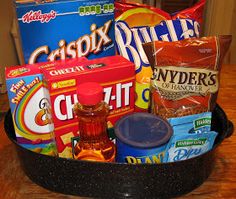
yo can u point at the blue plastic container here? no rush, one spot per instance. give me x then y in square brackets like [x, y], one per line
[142, 138]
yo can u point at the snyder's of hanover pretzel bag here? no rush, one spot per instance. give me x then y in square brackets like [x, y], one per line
[185, 76]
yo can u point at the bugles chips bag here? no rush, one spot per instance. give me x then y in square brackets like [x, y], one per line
[137, 24]
[185, 76]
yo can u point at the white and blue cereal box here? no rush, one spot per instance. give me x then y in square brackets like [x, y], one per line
[60, 29]
[29, 103]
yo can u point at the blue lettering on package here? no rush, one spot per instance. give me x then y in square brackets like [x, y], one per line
[129, 40]
[66, 29]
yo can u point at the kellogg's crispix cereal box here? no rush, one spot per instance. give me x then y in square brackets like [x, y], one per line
[29, 107]
[62, 29]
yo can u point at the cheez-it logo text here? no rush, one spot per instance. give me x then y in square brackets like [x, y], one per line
[32, 16]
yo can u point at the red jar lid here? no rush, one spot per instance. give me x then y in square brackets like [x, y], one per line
[90, 93]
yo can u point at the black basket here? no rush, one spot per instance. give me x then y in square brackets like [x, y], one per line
[117, 180]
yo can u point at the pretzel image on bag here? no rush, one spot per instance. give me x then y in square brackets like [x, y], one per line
[185, 76]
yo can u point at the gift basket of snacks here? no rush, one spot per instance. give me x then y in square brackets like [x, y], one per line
[121, 102]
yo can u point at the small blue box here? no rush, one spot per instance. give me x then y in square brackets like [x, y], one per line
[66, 29]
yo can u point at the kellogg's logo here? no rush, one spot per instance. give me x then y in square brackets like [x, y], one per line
[38, 16]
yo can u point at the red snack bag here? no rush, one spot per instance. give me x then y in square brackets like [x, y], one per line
[136, 14]
[195, 12]
[185, 77]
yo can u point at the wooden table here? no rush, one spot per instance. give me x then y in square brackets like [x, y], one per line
[221, 183]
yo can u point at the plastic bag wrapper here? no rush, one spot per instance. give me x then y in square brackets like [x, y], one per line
[136, 14]
[183, 146]
[191, 124]
[185, 78]
[138, 23]
[192, 137]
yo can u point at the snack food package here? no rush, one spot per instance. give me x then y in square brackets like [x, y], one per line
[153, 15]
[195, 12]
[29, 105]
[192, 137]
[137, 24]
[185, 146]
[197, 123]
[65, 29]
[186, 74]
[115, 74]
[136, 14]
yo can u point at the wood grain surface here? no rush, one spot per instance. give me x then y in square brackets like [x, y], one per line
[14, 184]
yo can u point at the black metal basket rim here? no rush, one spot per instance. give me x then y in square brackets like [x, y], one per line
[228, 134]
